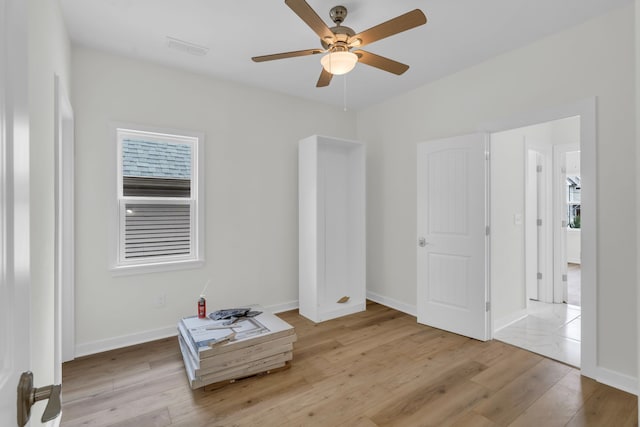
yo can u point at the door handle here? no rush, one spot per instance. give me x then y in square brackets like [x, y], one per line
[28, 395]
[422, 242]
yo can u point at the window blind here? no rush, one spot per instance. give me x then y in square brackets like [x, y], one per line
[157, 230]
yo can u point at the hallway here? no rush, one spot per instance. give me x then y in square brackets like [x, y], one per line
[551, 330]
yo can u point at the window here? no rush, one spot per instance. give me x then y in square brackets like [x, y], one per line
[159, 200]
[573, 202]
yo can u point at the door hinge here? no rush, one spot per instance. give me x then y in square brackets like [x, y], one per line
[486, 155]
[539, 276]
[487, 306]
[539, 222]
[564, 277]
[539, 168]
[487, 230]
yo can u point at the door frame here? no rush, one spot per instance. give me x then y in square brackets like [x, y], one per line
[64, 286]
[586, 109]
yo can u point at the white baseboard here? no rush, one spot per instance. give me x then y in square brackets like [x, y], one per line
[99, 346]
[392, 303]
[505, 321]
[617, 380]
[286, 306]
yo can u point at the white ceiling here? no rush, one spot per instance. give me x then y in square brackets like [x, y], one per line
[458, 34]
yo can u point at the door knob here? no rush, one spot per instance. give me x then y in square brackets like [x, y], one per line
[28, 395]
[422, 242]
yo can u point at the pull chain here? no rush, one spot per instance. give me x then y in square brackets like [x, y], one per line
[345, 92]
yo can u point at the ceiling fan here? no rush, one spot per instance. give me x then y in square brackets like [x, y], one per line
[338, 41]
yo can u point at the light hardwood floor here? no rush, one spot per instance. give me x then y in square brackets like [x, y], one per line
[376, 368]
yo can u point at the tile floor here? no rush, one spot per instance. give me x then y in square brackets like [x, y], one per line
[552, 330]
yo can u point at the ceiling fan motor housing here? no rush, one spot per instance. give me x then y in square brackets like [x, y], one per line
[342, 34]
[338, 14]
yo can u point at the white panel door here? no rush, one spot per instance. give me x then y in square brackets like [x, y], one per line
[538, 223]
[531, 225]
[14, 206]
[452, 240]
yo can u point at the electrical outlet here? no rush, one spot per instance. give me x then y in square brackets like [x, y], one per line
[159, 301]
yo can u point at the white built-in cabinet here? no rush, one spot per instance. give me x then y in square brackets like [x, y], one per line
[331, 193]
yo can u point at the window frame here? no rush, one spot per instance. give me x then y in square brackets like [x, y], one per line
[118, 265]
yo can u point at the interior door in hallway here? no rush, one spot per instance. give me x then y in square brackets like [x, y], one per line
[452, 235]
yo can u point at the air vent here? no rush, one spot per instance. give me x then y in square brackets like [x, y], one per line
[186, 47]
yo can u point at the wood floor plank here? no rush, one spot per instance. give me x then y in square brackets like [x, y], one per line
[558, 405]
[452, 405]
[348, 401]
[607, 407]
[473, 419]
[256, 394]
[157, 418]
[409, 399]
[509, 402]
[373, 368]
[507, 368]
[121, 406]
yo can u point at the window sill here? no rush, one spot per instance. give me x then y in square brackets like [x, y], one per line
[126, 270]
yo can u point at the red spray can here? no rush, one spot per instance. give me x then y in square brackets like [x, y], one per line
[202, 307]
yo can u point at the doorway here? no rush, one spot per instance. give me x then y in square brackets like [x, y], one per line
[530, 220]
[505, 300]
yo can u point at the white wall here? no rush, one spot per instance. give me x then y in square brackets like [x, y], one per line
[573, 163]
[251, 139]
[594, 58]
[507, 237]
[49, 54]
[573, 245]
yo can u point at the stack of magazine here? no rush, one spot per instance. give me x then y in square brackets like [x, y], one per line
[217, 351]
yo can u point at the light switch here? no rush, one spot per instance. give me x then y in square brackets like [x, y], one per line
[517, 219]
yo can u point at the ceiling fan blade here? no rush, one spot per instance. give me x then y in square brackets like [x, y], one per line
[311, 18]
[325, 78]
[401, 23]
[381, 62]
[284, 55]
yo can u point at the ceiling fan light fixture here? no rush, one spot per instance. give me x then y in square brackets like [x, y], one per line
[340, 62]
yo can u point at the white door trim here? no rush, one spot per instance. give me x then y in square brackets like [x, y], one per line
[586, 109]
[64, 229]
